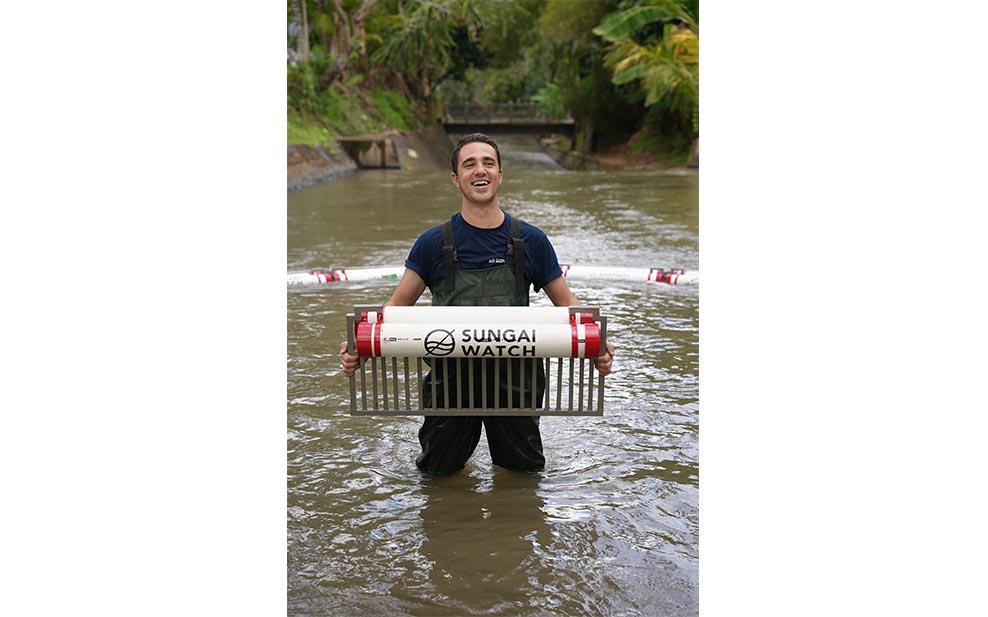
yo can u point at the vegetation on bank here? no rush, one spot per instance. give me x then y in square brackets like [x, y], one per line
[627, 71]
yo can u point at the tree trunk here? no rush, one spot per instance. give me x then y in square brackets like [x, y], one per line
[301, 19]
[348, 28]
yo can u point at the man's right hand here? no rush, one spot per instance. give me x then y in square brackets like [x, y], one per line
[348, 363]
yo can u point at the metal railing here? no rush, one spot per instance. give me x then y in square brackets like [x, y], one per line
[499, 113]
[482, 379]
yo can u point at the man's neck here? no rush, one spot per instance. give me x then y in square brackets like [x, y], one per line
[483, 216]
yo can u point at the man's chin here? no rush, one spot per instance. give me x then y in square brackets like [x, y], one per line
[482, 198]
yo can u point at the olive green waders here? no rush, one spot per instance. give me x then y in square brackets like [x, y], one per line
[514, 441]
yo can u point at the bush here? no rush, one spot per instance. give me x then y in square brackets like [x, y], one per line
[550, 100]
[393, 108]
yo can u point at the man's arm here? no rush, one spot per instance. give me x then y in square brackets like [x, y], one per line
[410, 287]
[560, 294]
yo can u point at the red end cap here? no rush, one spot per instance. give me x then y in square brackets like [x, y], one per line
[364, 339]
[592, 345]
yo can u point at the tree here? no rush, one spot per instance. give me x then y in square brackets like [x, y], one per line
[419, 44]
[349, 37]
[301, 29]
[668, 70]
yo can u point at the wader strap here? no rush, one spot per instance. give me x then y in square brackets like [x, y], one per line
[516, 252]
[450, 259]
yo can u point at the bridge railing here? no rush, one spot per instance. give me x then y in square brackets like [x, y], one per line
[499, 113]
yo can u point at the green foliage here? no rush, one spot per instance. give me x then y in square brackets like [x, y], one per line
[393, 108]
[568, 23]
[550, 100]
[503, 85]
[420, 48]
[306, 131]
[620, 67]
[622, 24]
[302, 88]
[510, 30]
[667, 71]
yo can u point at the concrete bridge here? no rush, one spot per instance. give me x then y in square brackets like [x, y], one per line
[503, 118]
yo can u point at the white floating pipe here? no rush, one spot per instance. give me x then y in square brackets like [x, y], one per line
[342, 275]
[478, 314]
[533, 340]
[652, 275]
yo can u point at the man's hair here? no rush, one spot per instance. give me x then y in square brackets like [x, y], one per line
[468, 139]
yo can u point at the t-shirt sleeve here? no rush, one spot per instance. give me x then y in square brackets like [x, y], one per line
[541, 261]
[422, 258]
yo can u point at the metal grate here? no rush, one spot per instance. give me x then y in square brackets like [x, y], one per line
[401, 385]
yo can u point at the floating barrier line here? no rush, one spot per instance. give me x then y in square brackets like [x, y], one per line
[673, 276]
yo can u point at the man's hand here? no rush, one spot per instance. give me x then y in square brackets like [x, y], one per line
[348, 363]
[604, 360]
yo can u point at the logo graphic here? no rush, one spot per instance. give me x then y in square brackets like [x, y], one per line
[439, 342]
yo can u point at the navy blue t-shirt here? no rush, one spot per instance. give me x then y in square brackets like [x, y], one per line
[479, 248]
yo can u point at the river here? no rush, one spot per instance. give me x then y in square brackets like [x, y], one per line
[610, 527]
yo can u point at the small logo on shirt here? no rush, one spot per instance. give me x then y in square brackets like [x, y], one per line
[496, 260]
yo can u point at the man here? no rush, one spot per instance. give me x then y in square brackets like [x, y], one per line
[481, 256]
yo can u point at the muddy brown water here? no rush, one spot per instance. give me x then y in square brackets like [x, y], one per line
[611, 527]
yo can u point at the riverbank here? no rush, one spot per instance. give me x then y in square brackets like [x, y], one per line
[308, 165]
[622, 157]
[428, 150]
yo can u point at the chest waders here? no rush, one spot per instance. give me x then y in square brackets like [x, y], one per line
[514, 441]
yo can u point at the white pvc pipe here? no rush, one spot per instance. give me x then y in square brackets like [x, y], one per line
[656, 275]
[309, 278]
[460, 341]
[686, 278]
[476, 314]
[367, 274]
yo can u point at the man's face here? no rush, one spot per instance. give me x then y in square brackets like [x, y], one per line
[478, 174]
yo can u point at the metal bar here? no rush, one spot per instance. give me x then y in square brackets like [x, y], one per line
[433, 369]
[408, 394]
[571, 384]
[459, 384]
[419, 382]
[603, 345]
[559, 386]
[511, 391]
[374, 381]
[351, 349]
[483, 384]
[582, 361]
[548, 389]
[521, 383]
[445, 383]
[470, 364]
[384, 381]
[497, 383]
[535, 384]
[590, 385]
[394, 378]
[363, 384]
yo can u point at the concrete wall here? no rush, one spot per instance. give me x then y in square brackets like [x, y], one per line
[308, 165]
[424, 150]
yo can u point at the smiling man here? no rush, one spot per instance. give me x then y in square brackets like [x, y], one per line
[482, 256]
